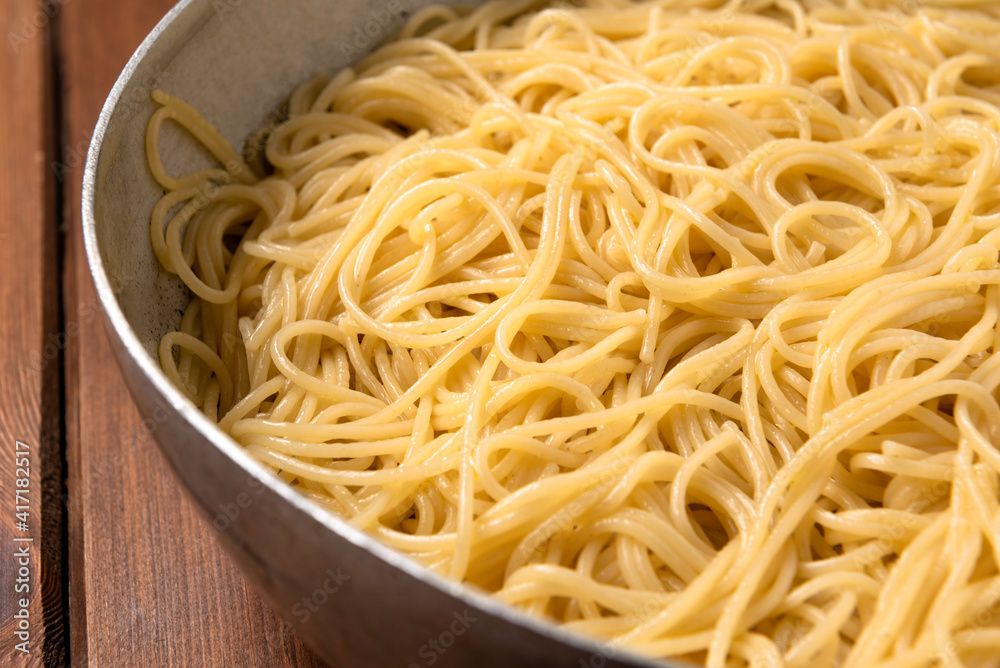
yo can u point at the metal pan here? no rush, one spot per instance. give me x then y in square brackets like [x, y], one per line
[355, 601]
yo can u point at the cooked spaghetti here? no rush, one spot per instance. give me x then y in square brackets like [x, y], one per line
[675, 323]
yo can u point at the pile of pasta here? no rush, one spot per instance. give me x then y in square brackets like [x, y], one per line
[674, 323]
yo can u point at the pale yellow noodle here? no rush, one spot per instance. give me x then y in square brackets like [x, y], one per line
[672, 322]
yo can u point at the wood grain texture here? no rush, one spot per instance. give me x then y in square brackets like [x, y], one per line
[30, 353]
[148, 583]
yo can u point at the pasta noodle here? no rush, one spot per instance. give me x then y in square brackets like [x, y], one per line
[672, 322]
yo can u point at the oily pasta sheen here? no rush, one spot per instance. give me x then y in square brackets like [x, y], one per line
[675, 323]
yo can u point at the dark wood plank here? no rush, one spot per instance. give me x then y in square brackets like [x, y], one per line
[148, 583]
[30, 454]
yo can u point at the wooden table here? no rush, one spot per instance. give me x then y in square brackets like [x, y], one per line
[120, 570]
